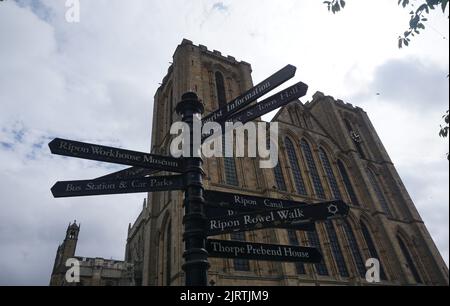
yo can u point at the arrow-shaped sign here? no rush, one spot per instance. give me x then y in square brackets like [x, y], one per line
[243, 202]
[101, 187]
[252, 94]
[266, 106]
[114, 155]
[214, 212]
[219, 204]
[280, 99]
[253, 221]
[132, 172]
[260, 251]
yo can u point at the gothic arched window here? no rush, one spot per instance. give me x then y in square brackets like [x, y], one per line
[347, 183]
[278, 172]
[336, 249]
[296, 173]
[354, 248]
[409, 260]
[279, 178]
[230, 168]
[313, 239]
[380, 195]
[220, 87]
[348, 125]
[293, 240]
[312, 169]
[371, 246]
[240, 264]
[330, 174]
[168, 254]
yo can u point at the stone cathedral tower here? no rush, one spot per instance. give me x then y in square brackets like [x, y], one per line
[65, 251]
[328, 150]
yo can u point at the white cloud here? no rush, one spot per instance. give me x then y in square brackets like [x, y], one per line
[95, 81]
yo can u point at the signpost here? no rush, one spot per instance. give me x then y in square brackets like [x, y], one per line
[258, 220]
[207, 213]
[114, 155]
[260, 251]
[196, 257]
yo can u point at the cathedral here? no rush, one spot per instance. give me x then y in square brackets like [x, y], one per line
[328, 149]
[92, 271]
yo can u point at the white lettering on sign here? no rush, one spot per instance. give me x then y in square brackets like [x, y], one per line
[222, 225]
[248, 97]
[273, 203]
[73, 188]
[64, 145]
[236, 251]
[261, 250]
[294, 253]
[249, 219]
[100, 186]
[290, 214]
[243, 201]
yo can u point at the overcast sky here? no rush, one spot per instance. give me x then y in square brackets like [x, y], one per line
[94, 81]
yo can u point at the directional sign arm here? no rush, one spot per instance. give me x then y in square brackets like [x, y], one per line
[132, 172]
[278, 100]
[114, 155]
[213, 212]
[252, 94]
[243, 202]
[102, 187]
[261, 251]
[252, 221]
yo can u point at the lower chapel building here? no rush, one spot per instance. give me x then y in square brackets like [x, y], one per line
[328, 150]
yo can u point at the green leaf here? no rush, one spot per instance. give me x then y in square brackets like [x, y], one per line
[406, 42]
[342, 3]
[414, 22]
[336, 7]
[423, 7]
[400, 43]
[444, 5]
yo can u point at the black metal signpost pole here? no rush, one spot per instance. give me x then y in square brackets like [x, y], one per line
[196, 257]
